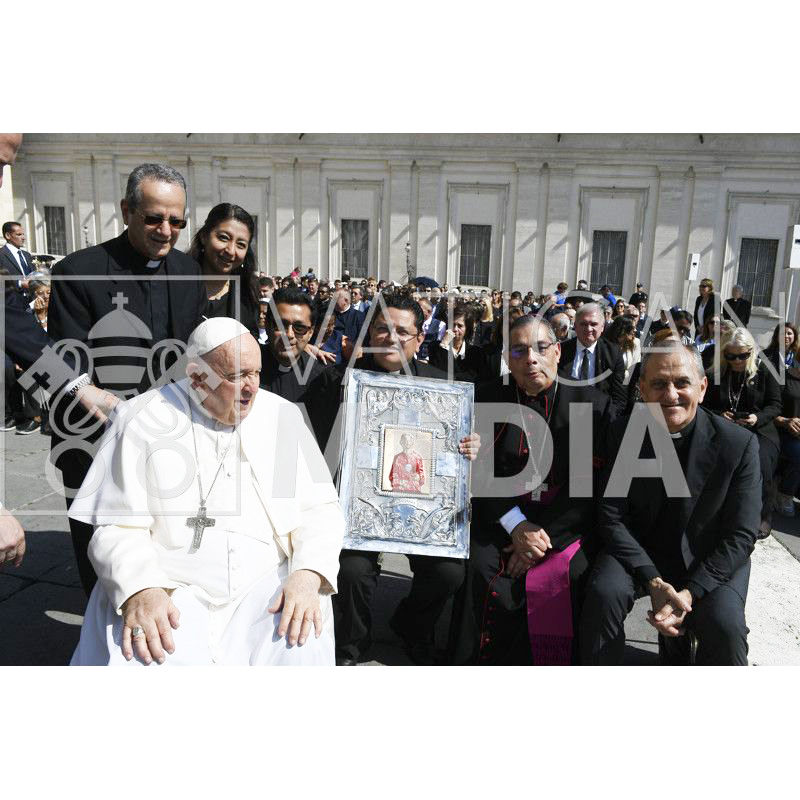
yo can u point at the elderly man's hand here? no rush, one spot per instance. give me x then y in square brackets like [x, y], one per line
[153, 611]
[670, 607]
[529, 544]
[299, 598]
[470, 446]
[12, 539]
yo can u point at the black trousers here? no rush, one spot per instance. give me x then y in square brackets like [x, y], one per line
[22, 404]
[435, 581]
[74, 466]
[717, 618]
[491, 608]
[768, 456]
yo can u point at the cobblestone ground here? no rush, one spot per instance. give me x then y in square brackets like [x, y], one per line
[41, 603]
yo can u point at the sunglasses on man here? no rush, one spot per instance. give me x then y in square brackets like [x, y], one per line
[176, 223]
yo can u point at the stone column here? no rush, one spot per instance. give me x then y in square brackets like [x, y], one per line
[527, 223]
[428, 233]
[399, 219]
[558, 214]
[284, 217]
[309, 227]
[706, 230]
[671, 235]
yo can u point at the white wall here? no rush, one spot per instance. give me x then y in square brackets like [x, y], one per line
[542, 196]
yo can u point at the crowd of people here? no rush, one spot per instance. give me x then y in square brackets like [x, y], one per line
[554, 566]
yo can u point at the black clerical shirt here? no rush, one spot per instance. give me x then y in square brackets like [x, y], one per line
[664, 540]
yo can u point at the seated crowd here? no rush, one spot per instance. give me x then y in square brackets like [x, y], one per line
[555, 565]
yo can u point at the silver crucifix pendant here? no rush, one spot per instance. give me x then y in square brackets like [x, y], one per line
[536, 489]
[199, 523]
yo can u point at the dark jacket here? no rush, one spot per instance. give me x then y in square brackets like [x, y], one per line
[762, 397]
[285, 383]
[716, 524]
[108, 278]
[740, 307]
[608, 356]
[471, 367]
[349, 323]
[711, 308]
[566, 518]
[9, 261]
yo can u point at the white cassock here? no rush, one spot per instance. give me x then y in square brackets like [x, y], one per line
[275, 510]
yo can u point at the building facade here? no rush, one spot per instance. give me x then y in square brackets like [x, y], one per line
[514, 211]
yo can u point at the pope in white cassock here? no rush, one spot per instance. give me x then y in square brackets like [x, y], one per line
[217, 526]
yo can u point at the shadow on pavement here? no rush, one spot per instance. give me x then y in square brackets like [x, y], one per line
[43, 604]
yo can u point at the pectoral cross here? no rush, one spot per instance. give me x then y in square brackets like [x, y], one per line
[199, 523]
[535, 486]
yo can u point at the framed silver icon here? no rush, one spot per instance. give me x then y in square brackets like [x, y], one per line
[403, 485]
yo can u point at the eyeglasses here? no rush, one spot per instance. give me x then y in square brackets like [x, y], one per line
[241, 377]
[521, 350]
[383, 332]
[298, 327]
[738, 356]
[157, 219]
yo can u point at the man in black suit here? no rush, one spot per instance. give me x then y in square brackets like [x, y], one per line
[589, 357]
[285, 354]
[111, 293]
[396, 328]
[686, 531]
[514, 531]
[12, 256]
[739, 306]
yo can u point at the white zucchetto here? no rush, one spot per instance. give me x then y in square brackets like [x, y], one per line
[211, 333]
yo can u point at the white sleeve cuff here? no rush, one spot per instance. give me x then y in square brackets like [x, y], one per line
[511, 519]
[73, 382]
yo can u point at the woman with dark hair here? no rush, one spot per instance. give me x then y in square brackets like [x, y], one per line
[706, 337]
[454, 351]
[223, 248]
[619, 309]
[791, 357]
[622, 332]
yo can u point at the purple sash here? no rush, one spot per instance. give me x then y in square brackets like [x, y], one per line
[550, 607]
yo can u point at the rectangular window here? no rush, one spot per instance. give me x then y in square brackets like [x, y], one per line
[757, 259]
[355, 247]
[476, 242]
[608, 260]
[55, 226]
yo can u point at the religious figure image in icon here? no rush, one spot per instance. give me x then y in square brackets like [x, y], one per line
[408, 470]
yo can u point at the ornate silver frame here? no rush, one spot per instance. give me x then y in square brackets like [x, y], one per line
[398, 521]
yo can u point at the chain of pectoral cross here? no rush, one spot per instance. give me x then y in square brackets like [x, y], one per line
[201, 521]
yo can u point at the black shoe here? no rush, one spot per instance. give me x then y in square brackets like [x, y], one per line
[30, 426]
[419, 652]
[46, 429]
[764, 530]
[9, 424]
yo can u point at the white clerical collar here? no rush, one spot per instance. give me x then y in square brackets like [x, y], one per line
[591, 347]
[154, 265]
